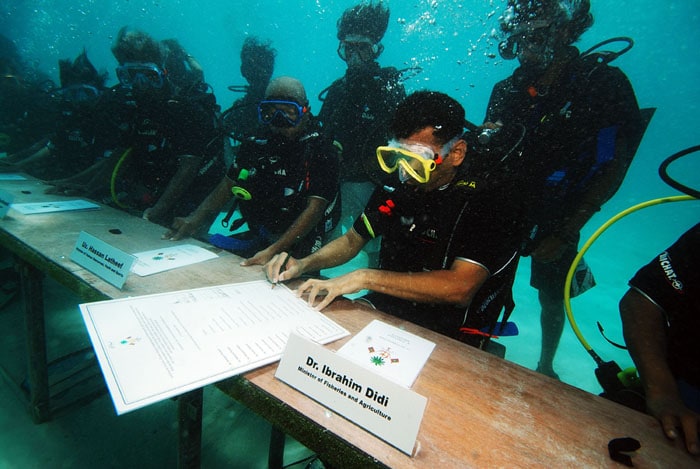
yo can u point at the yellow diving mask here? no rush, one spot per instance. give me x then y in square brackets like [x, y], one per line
[413, 160]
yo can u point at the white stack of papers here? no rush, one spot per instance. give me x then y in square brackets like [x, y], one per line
[158, 346]
[56, 206]
[389, 351]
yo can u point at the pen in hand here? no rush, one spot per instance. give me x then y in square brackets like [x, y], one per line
[282, 269]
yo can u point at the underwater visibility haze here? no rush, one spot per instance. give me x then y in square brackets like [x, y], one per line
[451, 46]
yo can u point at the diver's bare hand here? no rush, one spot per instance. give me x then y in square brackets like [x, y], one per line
[674, 416]
[550, 249]
[183, 227]
[329, 289]
[68, 189]
[282, 267]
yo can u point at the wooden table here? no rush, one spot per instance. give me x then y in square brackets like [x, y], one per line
[42, 244]
[482, 411]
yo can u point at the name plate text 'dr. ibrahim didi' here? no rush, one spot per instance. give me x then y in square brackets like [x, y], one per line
[380, 406]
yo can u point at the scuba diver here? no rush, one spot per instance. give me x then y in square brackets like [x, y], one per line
[161, 146]
[185, 74]
[660, 323]
[71, 148]
[358, 107]
[449, 246]
[285, 183]
[240, 121]
[583, 128]
[27, 114]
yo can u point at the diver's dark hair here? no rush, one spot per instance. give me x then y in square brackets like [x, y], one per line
[366, 19]
[257, 61]
[132, 45]
[80, 72]
[574, 15]
[428, 109]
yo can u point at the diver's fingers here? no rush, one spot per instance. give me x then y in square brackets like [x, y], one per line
[289, 269]
[273, 266]
[307, 288]
[327, 299]
[670, 424]
[313, 290]
[316, 288]
[689, 422]
[179, 234]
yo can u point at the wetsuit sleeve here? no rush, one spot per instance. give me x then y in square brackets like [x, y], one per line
[618, 134]
[672, 278]
[616, 120]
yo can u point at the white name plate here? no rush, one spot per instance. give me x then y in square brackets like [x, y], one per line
[107, 262]
[382, 407]
[6, 199]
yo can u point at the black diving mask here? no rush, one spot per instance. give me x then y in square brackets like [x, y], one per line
[533, 34]
[281, 113]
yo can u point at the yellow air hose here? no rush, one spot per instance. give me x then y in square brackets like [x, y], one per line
[587, 245]
[113, 180]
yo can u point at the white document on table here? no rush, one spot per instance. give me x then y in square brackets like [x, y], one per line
[54, 206]
[391, 352]
[158, 346]
[170, 257]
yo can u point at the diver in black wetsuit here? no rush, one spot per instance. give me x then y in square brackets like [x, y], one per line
[358, 107]
[583, 126]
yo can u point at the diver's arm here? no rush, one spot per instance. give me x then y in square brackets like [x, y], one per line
[601, 188]
[22, 155]
[304, 223]
[645, 335]
[211, 205]
[456, 285]
[178, 184]
[37, 157]
[90, 182]
[337, 252]
[25, 158]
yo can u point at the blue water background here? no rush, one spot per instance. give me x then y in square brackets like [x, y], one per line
[452, 42]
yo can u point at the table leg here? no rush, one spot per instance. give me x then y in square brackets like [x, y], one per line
[35, 331]
[189, 411]
[275, 458]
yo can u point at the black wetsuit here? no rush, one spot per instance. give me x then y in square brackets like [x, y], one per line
[282, 175]
[465, 220]
[356, 112]
[159, 128]
[27, 115]
[672, 282]
[573, 126]
[74, 145]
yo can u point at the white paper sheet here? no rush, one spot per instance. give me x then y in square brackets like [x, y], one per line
[56, 206]
[158, 346]
[389, 351]
[171, 257]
